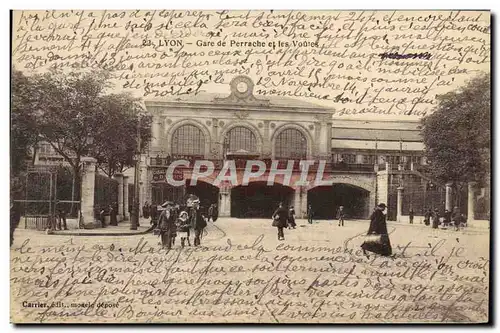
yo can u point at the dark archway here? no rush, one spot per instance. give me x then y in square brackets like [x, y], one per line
[258, 200]
[208, 193]
[325, 201]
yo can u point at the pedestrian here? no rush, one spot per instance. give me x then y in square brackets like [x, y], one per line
[377, 239]
[167, 225]
[280, 220]
[15, 217]
[427, 216]
[455, 218]
[61, 217]
[340, 215]
[112, 215]
[435, 219]
[291, 218]
[198, 222]
[210, 212]
[102, 214]
[412, 215]
[447, 218]
[183, 226]
[146, 210]
[310, 214]
[154, 215]
[215, 212]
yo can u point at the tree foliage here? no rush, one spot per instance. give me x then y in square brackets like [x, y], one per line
[74, 114]
[116, 147]
[457, 135]
[22, 122]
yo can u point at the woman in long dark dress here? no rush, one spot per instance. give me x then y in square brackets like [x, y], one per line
[378, 227]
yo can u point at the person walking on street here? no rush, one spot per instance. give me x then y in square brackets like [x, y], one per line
[146, 210]
[377, 240]
[280, 219]
[427, 216]
[412, 215]
[447, 218]
[102, 214]
[309, 214]
[167, 225]
[198, 222]
[112, 215]
[456, 218]
[435, 219]
[291, 218]
[61, 217]
[340, 215]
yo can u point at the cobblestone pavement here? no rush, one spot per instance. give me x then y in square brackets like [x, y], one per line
[242, 273]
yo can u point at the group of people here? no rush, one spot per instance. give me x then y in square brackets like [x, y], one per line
[433, 218]
[175, 220]
[111, 211]
[283, 218]
[377, 240]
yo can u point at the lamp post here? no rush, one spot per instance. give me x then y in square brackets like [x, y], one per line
[134, 221]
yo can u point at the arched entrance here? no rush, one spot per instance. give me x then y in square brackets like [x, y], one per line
[325, 201]
[208, 193]
[321, 199]
[258, 200]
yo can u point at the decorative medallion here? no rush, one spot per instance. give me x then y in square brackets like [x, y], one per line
[311, 127]
[221, 123]
[273, 125]
[209, 123]
[242, 93]
[241, 86]
[169, 121]
[260, 125]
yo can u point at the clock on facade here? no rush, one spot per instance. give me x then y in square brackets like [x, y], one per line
[242, 86]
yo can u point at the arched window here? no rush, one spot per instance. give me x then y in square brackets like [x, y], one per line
[291, 144]
[188, 140]
[241, 138]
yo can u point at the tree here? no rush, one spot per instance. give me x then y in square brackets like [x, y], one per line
[457, 135]
[115, 148]
[76, 117]
[23, 124]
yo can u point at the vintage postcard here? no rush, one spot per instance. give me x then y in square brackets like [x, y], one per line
[257, 166]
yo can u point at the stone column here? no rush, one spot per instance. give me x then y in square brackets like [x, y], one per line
[303, 202]
[87, 191]
[471, 201]
[119, 212]
[126, 215]
[448, 201]
[266, 144]
[297, 202]
[225, 202]
[400, 204]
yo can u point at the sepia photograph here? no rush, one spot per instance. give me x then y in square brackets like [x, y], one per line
[250, 166]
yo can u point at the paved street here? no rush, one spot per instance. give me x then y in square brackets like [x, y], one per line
[242, 273]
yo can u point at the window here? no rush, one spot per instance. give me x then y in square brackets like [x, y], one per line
[291, 144]
[188, 140]
[45, 148]
[369, 159]
[349, 158]
[242, 138]
[416, 159]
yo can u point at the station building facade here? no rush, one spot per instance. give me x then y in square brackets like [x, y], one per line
[365, 159]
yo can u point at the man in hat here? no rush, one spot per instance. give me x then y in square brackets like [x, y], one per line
[309, 214]
[198, 222]
[166, 223]
[378, 229]
[340, 215]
